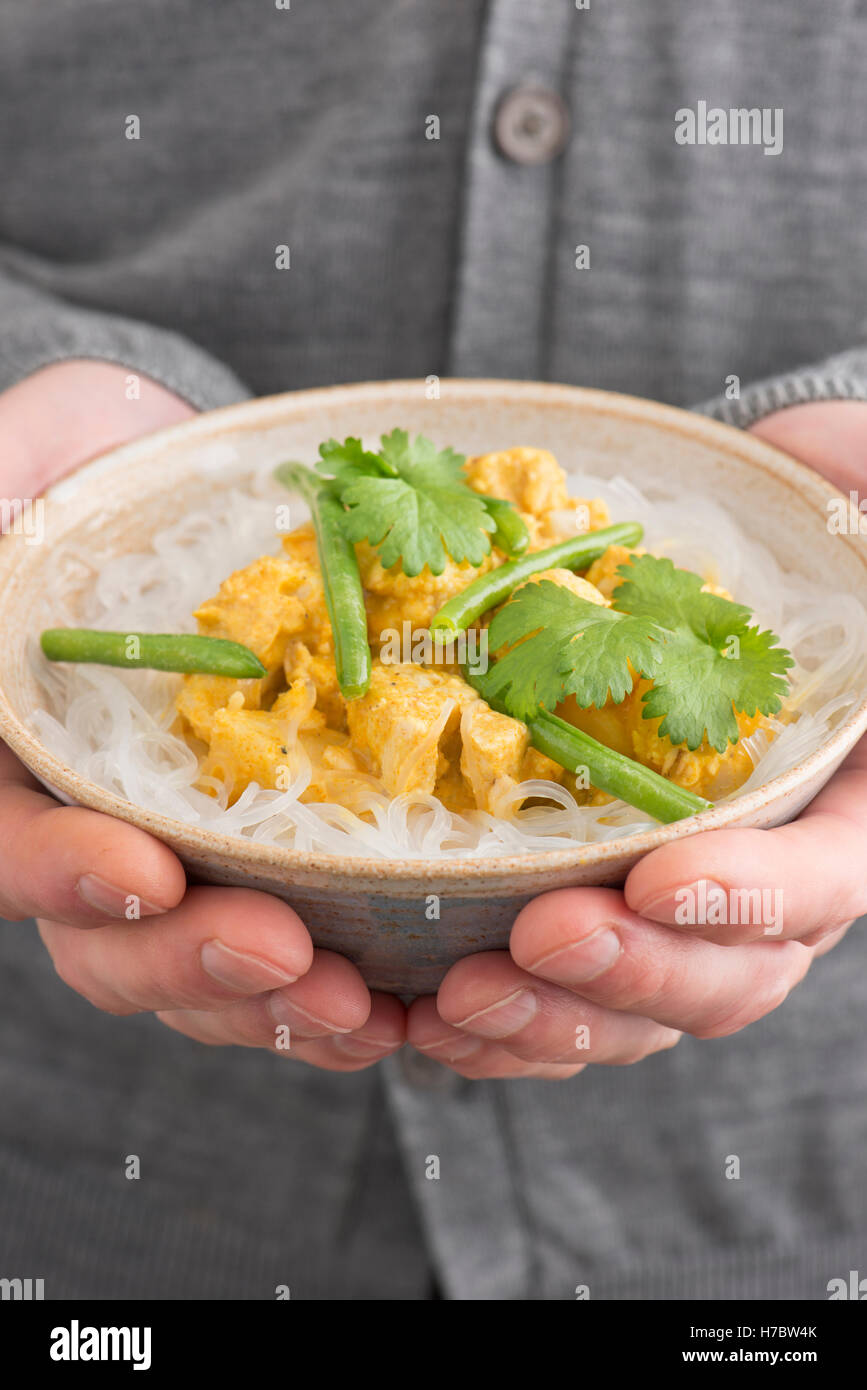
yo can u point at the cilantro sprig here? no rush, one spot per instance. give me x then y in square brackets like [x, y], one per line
[410, 500]
[561, 644]
[704, 658]
[713, 661]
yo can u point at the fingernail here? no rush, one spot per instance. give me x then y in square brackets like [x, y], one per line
[582, 960]
[451, 1049]
[687, 906]
[504, 1018]
[364, 1047]
[241, 971]
[114, 901]
[304, 1023]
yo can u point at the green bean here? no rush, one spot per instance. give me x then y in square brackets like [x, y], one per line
[344, 596]
[511, 535]
[610, 771]
[613, 772]
[494, 587]
[157, 651]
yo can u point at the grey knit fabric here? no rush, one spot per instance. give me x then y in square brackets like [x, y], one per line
[261, 128]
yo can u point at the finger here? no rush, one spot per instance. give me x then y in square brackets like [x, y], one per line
[822, 946]
[470, 1057]
[787, 883]
[499, 1065]
[331, 998]
[588, 941]
[218, 945]
[827, 435]
[67, 412]
[736, 886]
[253, 1024]
[490, 997]
[73, 865]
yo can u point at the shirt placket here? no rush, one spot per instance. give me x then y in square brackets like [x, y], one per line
[454, 1133]
[458, 1158]
[519, 127]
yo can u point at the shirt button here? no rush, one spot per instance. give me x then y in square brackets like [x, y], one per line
[426, 1074]
[531, 125]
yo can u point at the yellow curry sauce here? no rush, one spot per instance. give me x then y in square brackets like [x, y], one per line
[420, 728]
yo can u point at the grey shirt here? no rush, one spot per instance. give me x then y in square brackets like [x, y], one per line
[260, 128]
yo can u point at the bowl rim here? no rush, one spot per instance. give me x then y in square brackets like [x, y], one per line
[259, 412]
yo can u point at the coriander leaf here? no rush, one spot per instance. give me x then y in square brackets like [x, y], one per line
[424, 514]
[348, 461]
[566, 645]
[713, 662]
[408, 459]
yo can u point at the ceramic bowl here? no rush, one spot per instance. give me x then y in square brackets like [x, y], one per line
[376, 911]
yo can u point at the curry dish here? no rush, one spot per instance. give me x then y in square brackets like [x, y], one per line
[420, 727]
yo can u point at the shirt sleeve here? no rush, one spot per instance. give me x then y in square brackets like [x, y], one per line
[38, 329]
[842, 377]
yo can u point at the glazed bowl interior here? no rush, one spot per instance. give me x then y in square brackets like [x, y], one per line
[379, 911]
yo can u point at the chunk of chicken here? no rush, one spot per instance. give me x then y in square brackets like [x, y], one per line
[405, 725]
[496, 756]
[702, 770]
[299, 662]
[566, 580]
[423, 730]
[200, 697]
[493, 748]
[603, 572]
[393, 598]
[263, 746]
[530, 478]
[259, 607]
[264, 606]
[533, 481]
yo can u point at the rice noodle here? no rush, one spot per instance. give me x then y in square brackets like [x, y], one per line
[118, 728]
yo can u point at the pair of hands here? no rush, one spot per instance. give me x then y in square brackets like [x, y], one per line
[229, 965]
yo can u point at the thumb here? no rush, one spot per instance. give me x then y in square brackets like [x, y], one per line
[830, 436]
[64, 414]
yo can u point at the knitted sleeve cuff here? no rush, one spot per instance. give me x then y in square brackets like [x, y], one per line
[36, 330]
[839, 378]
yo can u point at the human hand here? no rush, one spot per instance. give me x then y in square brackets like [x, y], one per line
[609, 976]
[223, 965]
